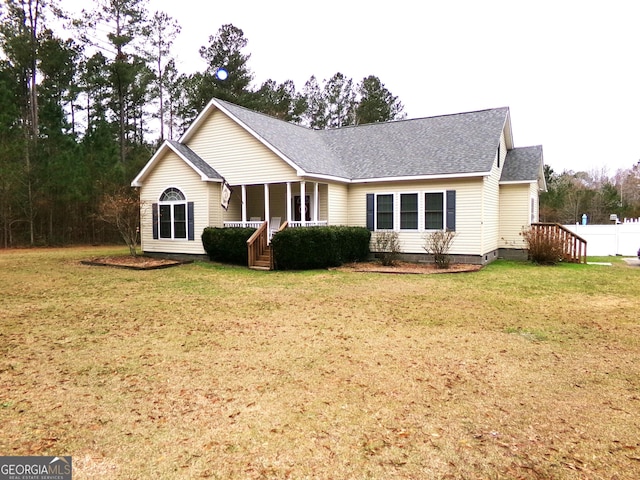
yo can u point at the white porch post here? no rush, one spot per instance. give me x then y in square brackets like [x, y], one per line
[316, 203]
[289, 202]
[303, 206]
[244, 204]
[266, 203]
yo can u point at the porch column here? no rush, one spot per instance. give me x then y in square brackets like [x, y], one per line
[244, 204]
[289, 202]
[316, 203]
[303, 206]
[266, 204]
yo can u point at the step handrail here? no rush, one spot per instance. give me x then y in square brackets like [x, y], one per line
[574, 247]
[257, 244]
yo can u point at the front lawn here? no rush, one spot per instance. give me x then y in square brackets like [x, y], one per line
[209, 371]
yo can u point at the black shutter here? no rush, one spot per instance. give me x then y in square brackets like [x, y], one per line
[370, 200]
[451, 210]
[190, 224]
[154, 219]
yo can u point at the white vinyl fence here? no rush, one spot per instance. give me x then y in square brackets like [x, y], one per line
[616, 239]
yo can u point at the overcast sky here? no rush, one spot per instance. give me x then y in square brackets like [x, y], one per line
[567, 69]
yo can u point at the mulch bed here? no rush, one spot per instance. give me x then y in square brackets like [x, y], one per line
[139, 262]
[142, 262]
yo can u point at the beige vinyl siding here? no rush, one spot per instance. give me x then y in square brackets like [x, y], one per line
[172, 171]
[236, 155]
[338, 204]
[491, 202]
[491, 211]
[323, 191]
[468, 211]
[515, 201]
[255, 203]
[278, 201]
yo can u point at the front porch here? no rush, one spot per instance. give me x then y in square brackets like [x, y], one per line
[252, 205]
[273, 206]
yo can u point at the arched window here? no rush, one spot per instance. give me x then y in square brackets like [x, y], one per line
[173, 215]
[172, 195]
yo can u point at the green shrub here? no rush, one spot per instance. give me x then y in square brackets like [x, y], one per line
[319, 247]
[227, 245]
[352, 243]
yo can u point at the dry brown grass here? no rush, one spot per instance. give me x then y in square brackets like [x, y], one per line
[202, 371]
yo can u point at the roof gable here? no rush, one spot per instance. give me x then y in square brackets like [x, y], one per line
[202, 168]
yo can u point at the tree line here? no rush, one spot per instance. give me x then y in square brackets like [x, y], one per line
[598, 195]
[85, 100]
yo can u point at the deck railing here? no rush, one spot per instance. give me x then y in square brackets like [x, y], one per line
[574, 247]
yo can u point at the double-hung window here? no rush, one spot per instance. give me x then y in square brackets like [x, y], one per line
[173, 214]
[384, 212]
[421, 211]
[434, 211]
[408, 211]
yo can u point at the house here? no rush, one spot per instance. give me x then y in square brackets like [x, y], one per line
[459, 172]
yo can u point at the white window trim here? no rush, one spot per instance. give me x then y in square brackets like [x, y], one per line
[397, 211]
[375, 212]
[444, 211]
[172, 204]
[418, 227]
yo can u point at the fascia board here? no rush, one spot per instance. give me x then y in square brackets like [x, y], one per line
[508, 130]
[421, 177]
[320, 176]
[196, 123]
[137, 182]
[516, 182]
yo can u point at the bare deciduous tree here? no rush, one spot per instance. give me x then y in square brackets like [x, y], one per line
[122, 210]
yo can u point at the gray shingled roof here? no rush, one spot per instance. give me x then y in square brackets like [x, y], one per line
[463, 143]
[195, 159]
[522, 164]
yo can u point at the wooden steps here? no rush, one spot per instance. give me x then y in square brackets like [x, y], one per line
[263, 261]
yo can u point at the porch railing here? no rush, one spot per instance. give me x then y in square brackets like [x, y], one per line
[241, 224]
[319, 223]
[574, 247]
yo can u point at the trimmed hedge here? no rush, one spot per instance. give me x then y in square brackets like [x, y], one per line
[319, 247]
[227, 245]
